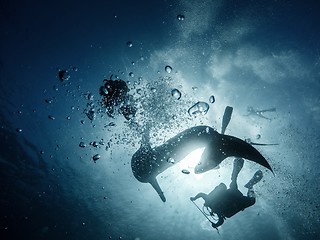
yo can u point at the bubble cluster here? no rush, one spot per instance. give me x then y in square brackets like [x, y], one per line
[63, 75]
[180, 17]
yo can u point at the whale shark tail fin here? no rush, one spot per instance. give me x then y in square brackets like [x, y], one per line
[232, 146]
[154, 183]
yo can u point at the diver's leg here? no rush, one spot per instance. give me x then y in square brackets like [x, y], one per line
[199, 195]
[251, 196]
[254, 180]
[237, 166]
[262, 116]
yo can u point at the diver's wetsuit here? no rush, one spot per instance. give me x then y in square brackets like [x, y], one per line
[229, 202]
[226, 202]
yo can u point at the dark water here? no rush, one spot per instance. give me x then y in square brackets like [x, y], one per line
[263, 54]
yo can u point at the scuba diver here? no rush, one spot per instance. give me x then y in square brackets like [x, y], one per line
[225, 203]
[259, 113]
[115, 94]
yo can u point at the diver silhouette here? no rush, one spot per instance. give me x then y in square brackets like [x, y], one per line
[227, 202]
[115, 94]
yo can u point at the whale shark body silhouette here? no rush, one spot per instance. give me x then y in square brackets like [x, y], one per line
[147, 162]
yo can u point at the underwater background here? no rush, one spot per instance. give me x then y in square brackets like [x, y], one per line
[65, 164]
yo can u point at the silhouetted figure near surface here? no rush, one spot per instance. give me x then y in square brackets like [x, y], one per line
[115, 94]
[227, 202]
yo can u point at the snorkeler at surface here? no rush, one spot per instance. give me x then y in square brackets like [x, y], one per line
[254, 112]
[227, 202]
[115, 94]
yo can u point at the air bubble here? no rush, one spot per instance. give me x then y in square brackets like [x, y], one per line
[185, 171]
[129, 44]
[90, 97]
[96, 157]
[170, 160]
[91, 114]
[176, 93]
[200, 108]
[82, 145]
[212, 99]
[168, 69]
[111, 124]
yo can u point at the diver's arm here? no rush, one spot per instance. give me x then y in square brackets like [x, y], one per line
[199, 195]
[219, 223]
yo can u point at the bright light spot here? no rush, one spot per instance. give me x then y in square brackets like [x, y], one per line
[190, 161]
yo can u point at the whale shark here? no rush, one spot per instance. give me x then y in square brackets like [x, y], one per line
[147, 162]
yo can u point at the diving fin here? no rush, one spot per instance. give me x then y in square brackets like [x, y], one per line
[254, 180]
[226, 118]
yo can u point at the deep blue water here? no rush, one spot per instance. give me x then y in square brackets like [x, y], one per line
[264, 54]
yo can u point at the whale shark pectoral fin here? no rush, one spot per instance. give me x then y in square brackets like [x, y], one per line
[232, 146]
[154, 183]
